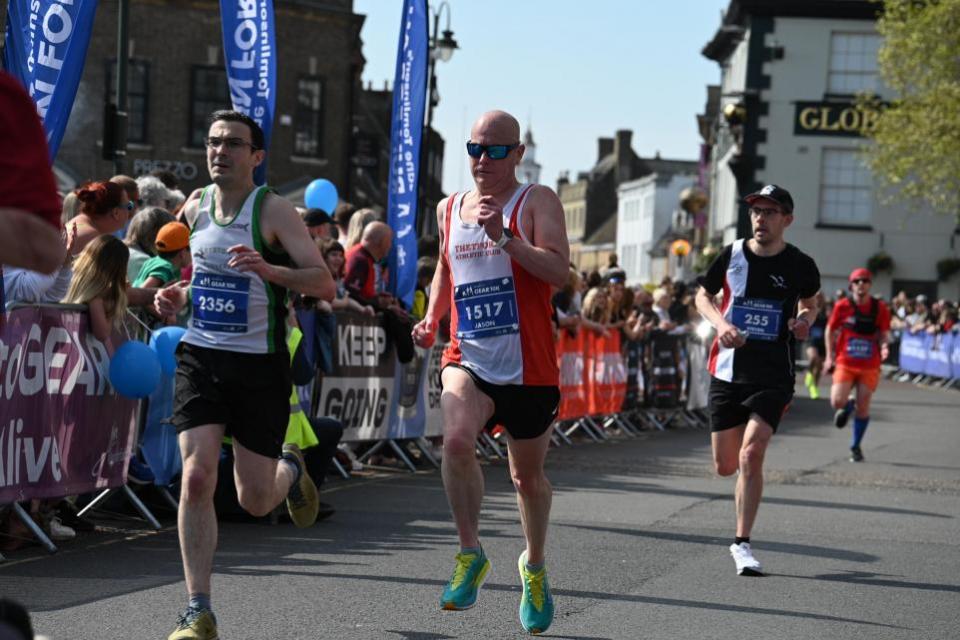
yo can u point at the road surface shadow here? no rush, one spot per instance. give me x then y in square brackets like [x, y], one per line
[875, 580]
[623, 597]
[620, 486]
[779, 547]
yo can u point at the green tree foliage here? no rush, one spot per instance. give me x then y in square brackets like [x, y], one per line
[917, 150]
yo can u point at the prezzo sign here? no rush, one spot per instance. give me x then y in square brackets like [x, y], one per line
[182, 170]
[845, 119]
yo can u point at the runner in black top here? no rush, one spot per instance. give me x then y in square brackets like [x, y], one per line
[764, 281]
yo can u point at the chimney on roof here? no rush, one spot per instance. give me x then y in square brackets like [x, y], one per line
[624, 155]
[604, 148]
[563, 179]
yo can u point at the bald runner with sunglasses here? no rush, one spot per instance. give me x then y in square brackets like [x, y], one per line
[768, 301]
[248, 247]
[503, 245]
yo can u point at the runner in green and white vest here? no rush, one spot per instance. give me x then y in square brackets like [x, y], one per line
[249, 247]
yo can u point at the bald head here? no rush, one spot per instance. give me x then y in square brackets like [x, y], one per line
[497, 126]
[377, 237]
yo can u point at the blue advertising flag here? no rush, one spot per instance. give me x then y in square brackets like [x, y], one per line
[46, 47]
[409, 100]
[249, 48]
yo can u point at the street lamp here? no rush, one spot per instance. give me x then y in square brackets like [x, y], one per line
[441, 48]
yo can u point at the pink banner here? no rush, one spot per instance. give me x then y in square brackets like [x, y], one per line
[63, 429]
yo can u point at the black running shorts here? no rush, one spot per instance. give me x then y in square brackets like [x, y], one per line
[525, 411]
[731, 404]
[247, 392]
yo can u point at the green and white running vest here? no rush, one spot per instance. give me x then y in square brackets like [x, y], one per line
[233, 310]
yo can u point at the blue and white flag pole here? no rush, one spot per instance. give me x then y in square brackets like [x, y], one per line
[46, 47]
[409, 100]
[249, 47]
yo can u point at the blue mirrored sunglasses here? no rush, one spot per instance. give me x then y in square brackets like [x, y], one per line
[494, 151]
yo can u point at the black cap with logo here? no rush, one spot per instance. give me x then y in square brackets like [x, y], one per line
[772, 192]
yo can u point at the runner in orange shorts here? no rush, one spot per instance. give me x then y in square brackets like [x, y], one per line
[858, 333]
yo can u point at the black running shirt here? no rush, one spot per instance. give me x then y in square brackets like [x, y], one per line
[759, 297]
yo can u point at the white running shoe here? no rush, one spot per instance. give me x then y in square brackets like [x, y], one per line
[747, 565]
[60, 531]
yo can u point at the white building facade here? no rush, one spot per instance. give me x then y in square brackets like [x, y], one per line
[646, 209]
[795, 68]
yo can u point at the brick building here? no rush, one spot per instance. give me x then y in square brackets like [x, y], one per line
[177, 77]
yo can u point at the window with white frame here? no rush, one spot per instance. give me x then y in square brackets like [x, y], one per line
[846, 194]
[853, 63]
[629, 258]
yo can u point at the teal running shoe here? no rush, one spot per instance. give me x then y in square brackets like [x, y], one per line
[468, 576]
[536, 603]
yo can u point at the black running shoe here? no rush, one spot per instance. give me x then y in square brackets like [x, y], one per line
[840, 418]
[856, 455]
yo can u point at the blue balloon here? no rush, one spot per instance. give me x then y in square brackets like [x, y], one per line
[134, 370]
[321, 194]
[164, 342]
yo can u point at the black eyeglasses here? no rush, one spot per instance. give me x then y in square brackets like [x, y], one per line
[494, 151]
[764, 211]
[860, 281]
[231, 144]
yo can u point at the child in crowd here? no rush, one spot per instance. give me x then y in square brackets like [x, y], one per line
[333, 254]
[99, 281]
[173, 254]
[425, 269]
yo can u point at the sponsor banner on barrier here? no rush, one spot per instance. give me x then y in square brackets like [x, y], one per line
[573, 381]
[955, 358]
[606, 374]
[593, 374]
[433, 426]
[359, 392]
[913, 353]
[63, 429]
[939, 350]
[410, 414]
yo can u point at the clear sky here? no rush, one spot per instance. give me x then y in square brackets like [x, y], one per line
[576, 69]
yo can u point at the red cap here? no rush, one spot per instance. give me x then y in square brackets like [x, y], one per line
[861, 274]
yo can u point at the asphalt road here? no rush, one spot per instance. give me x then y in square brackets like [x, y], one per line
[638, 548]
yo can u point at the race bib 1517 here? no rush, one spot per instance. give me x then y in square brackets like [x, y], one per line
[486, 308]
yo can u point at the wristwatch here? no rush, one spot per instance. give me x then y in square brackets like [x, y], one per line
[505, 237]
